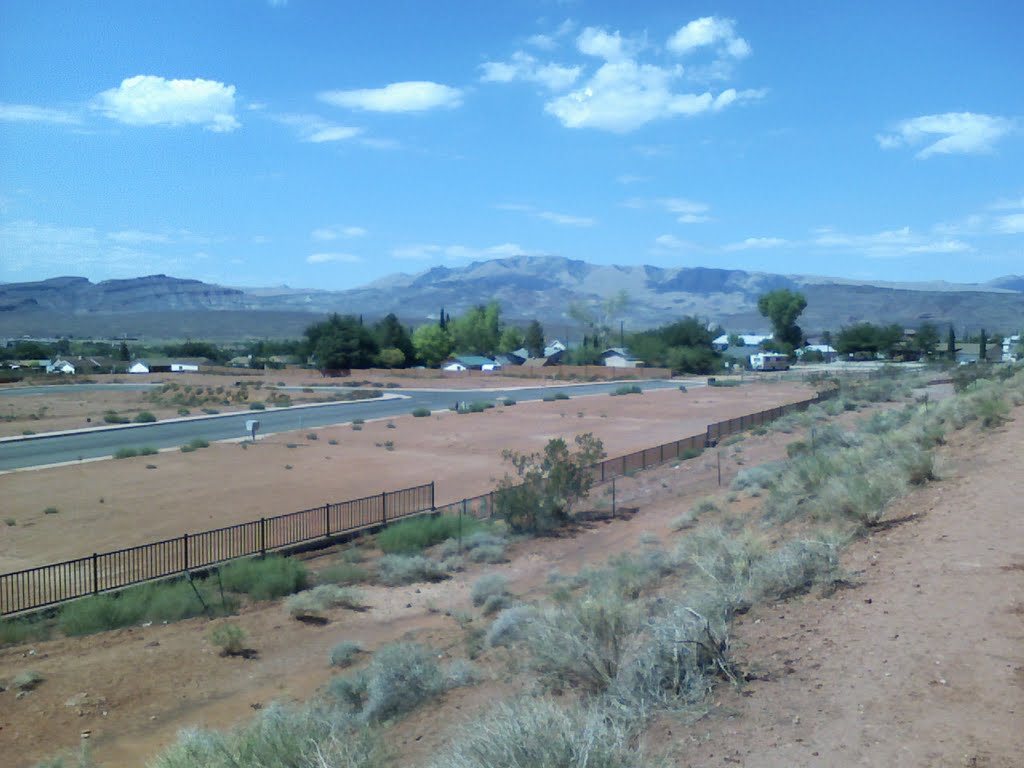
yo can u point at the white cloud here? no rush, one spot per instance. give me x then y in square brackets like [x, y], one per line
[629, 178]
[889, 244]
[1012, 224]
[524, 67]
[605, 45]
[687, 211]
[316, 130]
[562, 218]
[756, 242]
[1004, 204]
[424, 252]
[151, 100]
[709, 31]
[673, 243]
[26, 113]
[324, 234]
[331, 258]
[960, 132]
[412, 96]
[136, 236]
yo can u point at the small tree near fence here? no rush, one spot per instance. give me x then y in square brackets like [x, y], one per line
[547, 484]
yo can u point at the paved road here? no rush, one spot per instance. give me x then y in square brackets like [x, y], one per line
[41, 450]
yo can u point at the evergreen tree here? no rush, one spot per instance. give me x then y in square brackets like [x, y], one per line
[534, 341]
[982, 356]
[951, 345]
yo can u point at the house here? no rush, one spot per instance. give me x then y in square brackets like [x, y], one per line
[970, 352]
[828, 353]
[168, 365]
[455, 366]
[60, 365]
[473, 363]
[139, 366]
[619, 357]
[510, 359]
[540, 362]
[554, 351]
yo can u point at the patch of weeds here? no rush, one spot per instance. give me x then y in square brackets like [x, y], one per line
[23, 630]
[332, 441]
[28, 680]
[420, 413]
[265, 578]
[690, 453]
[357, 427]
[313, 603]
[396, 570]
[627, 389]
[291, 445]
[257, 406]
[112, 417]
[761, 477]
[10, 521]
[490, 592]
[418, 533]
[184, 411]
[144, 417]
[195, 445]
[288, 467]
[211, 411]
[508, 402]
[312, 436]
[401, 677]
[344, 574]
[358, 422]
[51, 511]
[230, 638]
[345, 653]
[391, 425]
[151, 466]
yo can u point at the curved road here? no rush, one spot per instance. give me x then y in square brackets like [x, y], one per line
[41, 450]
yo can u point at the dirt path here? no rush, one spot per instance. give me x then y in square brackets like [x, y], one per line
[921, 665]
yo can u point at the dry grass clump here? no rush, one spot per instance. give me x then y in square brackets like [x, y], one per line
[314, 603]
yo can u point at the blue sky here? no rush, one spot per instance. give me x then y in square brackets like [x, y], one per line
[326, 144]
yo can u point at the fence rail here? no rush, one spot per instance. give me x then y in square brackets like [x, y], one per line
[48, 585]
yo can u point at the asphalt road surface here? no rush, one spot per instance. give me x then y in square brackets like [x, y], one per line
[41, 450]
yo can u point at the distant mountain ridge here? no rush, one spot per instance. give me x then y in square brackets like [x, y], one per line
[527, 287]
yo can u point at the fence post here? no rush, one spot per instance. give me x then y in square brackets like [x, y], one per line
[327, 519]
[384, 508]
[613, 497]
[490, 504]
[718, 453]
[263, 537]
[95, 574]
[184, 546]
[602, 471]
[432, 506]
[661, 453]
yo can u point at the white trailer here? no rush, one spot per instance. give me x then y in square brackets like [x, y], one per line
[769, 361]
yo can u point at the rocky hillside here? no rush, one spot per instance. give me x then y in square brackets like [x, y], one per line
[526, 286]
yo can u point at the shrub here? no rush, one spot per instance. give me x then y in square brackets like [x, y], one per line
[51, 511]
[508, 402]
[110, 417]
[757, 478]
[690, 453]
[332, 441]
[401, 676]
[313, 603]
[230, 638]
[184, 411]
[10, 521]
[538, 733]
[28, 680]
[420, 413]
[627, 389]
[548, 484]
[417, 533]
[357, 421]
[345, 653]
[265, 578]
[22, 630]
[283, 736]
[257, 406]
[396, 570]
[478, 407]
[510, 625]
[312, 436]
[195, 445]
[144, 417]
[480, 546]
[344, 574]
[488, 586]
[560, 396]
[126, 453]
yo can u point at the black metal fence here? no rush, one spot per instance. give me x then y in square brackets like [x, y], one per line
[103, 572]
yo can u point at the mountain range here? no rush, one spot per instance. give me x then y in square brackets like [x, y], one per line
[527, 287]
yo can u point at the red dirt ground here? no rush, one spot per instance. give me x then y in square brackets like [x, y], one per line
[919, 664]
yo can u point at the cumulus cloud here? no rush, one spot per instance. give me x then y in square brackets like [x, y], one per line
[1012, 224]
[889, 244]
[137, 236]
[756, 243]
[411, 96]
[524, 67]
[316, 130]
[709, 31]
[152, 100]
[566, 219]
[609, 46]
[685, 211]
[673, 243]
[427, 252]
[332, 258]
[325, 234]
[948, 133]
[26, 113]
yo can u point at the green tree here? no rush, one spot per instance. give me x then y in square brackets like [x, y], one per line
[432, 343]
[479, 330]
[123, 353]
[735, 340]
[534, 341]
[547, 484]
[684, 346]
[926, 340]
[392, 334]
[951, 345]
[391, 357]
[341, 343]
[511, 339]
[782, 307]
[982, 347]
[868, 338]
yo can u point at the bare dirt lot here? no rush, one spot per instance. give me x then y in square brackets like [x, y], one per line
[918, 664]
[111, 504]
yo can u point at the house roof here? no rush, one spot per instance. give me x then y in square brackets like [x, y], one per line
[472, 361]
[537, 362]
[749, 339]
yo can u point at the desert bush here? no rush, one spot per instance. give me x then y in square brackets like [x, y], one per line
[281, 736]
[22, 630]
[690, 453]
[420, 413]
[757, 478]
[345, 653]
[401, 676]
[490, 592]
[794, 568]
[194, 445]
[265, 578]
[312, 436]
[344, 574]
[627, 389]
[257, 406]
[396, 570]
[28, 680]
[548, 484]
[313, 603]
[508, 402]
[418, 533]
[111, 417]
[144, 417]
[51, 511]
[480, 546]
[230, 638]
[538, 733]
[723, 561]
[126, 453]
[510, 625]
